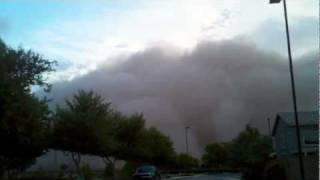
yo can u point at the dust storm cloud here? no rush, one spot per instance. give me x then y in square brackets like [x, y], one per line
[216, 88]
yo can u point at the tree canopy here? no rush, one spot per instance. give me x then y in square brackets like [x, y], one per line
[79, 127]
[215, 155]
[250, 147]
[23, 118]
[156, 147]
[88, 125]
[186, 161]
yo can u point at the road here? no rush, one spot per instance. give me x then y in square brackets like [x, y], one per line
[225, 176]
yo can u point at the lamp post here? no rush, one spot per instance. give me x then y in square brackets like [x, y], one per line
[269, 127]
[292, 88]
[186, 133]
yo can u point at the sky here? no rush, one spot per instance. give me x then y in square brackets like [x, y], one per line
[82, 34]
[210, 64]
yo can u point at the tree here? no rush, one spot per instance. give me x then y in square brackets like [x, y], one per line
[80, 126]
[110, 143]
[250, 151]
[131, 141]
[185, 161]
[156, 147]
[250, 147]
[128, 136]
[124, 135]
[215, 155]
[23, 116]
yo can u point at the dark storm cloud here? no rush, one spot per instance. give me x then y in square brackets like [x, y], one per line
[216, 88]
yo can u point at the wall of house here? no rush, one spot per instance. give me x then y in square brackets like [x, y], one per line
[284, 139]
[310, 134]
[306, 133]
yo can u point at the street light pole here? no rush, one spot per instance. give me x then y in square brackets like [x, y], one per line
[269, 127]
[293, 88]
[186, 134]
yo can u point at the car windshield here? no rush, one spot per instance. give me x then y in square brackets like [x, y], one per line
[145, 169]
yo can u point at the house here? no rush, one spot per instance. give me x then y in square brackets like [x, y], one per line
[285, 143]
[285, 137]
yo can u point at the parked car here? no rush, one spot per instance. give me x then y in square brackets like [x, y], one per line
[147, 172]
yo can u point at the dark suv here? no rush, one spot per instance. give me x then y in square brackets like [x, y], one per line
[147, 172]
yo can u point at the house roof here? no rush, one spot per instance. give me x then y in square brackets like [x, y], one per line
[306, 118]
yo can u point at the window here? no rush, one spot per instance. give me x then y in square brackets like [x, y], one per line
[311, 137]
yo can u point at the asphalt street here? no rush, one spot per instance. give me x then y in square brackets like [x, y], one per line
[224, 176]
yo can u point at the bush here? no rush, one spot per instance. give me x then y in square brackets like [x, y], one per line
[274, 170]
[128, 169]
[62, 170]
[40, 173]
[108, 171]
[253, 171]
[87, 172]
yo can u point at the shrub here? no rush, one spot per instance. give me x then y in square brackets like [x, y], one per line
[87, 172]
[274, 170]
[128, 169]
[108, 171]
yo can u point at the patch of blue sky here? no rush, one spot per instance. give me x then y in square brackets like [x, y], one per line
[24, 17]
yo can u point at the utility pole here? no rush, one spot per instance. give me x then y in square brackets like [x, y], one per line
[187, 143]
[292, 88]
[269, 127]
